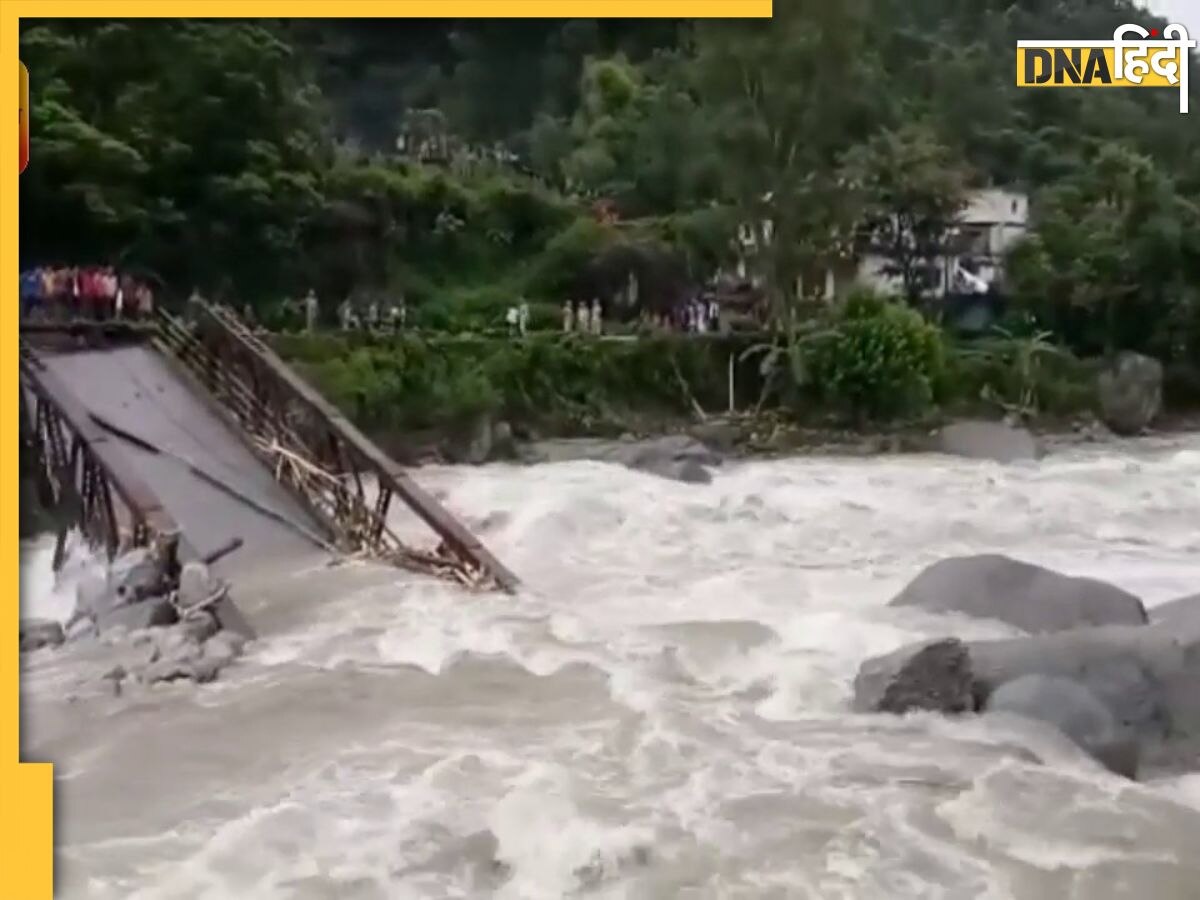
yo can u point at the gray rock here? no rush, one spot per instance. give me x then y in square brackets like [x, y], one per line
[167, 670]
[678, 457]
[1074, 710]
[677, 447]
[1032, 598]
[689, 472]
[133, 656]
[177, 655]
[204, 670]
[504, 445]
[1130, 392]
[1145, 676]
[479, 444]
[223, 648]
[997, 441]
[717, 434]
[37, 633]
[1184, 610]
[936, 677]
[176, 644]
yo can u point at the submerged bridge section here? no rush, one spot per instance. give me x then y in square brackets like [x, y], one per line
[195, 437]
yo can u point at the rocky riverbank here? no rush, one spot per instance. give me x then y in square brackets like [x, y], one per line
[141, 630]
[689, 452]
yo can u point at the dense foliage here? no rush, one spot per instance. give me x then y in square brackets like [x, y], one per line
[257, 159]
[559, 384]
[878, 359]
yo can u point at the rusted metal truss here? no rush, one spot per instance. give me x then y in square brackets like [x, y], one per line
[80, 477]
[347, 483]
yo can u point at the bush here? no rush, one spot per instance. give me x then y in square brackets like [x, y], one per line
[878, 359]
[563, 384]
[1026, 374]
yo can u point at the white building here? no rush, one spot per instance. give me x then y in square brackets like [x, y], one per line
[987, 228]
[992, 221]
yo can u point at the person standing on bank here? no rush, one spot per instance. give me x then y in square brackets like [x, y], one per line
[311, 308]
[568, 317]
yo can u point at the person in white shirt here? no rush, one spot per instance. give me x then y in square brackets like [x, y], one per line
[511, 318]
[311, 306]
[581, 316]
[523, 318]
[597, 320]
[568, 317]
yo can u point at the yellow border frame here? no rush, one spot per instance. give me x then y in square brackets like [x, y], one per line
[27, 789]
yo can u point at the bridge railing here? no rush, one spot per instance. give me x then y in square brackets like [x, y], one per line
[81, 477]
[341, 476]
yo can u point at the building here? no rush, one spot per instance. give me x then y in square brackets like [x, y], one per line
[987, 228]
[993, 220]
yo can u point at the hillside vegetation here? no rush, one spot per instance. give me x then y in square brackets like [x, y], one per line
[256, 159]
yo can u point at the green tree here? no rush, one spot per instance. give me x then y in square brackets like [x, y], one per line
[913, 187]
[1112, 253]
[784, 99]
[193, 148]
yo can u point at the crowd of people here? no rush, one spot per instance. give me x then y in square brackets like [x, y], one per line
[695, 316]
[584, 317]
[97, 293]
[100, 293]
[393, 317]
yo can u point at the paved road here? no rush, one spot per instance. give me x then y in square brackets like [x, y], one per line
[135, 389]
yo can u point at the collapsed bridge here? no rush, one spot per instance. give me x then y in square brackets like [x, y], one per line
[195, 438]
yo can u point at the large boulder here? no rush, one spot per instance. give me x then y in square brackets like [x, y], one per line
[936, 677]
[1073, 710]
[678, 457]
[996, 441]
[1030, 597]
[1130, 392]
[1145, 676]
[1184, 611]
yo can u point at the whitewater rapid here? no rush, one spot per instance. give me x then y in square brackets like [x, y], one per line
[662, 714]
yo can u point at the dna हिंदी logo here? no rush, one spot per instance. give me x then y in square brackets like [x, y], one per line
[1143, 60]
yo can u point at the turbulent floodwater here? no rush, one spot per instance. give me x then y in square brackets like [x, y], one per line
[662, 715]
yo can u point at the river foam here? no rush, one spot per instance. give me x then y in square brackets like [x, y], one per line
[663, 713]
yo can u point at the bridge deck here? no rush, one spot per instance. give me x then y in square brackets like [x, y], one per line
[135, 389]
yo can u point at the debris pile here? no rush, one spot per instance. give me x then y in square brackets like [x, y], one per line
[164, 625]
